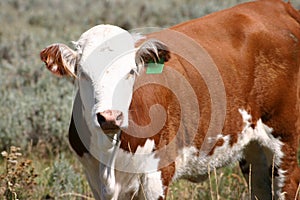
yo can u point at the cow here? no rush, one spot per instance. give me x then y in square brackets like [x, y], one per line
[179, 102]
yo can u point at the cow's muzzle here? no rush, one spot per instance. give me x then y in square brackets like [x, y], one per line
[110, 120]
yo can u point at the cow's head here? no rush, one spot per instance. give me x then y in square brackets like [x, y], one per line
[105, 63]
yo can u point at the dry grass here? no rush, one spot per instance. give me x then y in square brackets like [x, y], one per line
[222, 184]
[19, 175]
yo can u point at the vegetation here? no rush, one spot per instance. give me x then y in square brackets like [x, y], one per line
[36, 106]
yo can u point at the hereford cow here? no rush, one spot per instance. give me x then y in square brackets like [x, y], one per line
[182, 101]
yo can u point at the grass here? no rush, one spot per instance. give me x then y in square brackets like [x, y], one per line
[31, 177]
[25, 176]
[36, 106]
[223, 184]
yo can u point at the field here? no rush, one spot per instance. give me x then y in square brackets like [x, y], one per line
[35, 107]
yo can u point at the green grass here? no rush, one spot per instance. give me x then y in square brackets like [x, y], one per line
[36, 106]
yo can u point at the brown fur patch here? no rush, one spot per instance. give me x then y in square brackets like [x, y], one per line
[218, 143]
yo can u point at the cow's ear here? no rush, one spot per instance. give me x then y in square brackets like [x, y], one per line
[60, 59]
[152, 51]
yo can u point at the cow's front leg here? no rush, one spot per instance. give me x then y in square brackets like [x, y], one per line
[272, 172]
[154, 185]
[255, 169]
[91, 170]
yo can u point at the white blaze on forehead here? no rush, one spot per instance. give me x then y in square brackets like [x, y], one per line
[114, 87]
[100, 45]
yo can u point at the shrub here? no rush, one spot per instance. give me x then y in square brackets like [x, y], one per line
[64, 181]
[18, 179]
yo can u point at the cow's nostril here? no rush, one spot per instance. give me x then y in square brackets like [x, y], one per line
[101, 119]
[119, 117]
[110, 120]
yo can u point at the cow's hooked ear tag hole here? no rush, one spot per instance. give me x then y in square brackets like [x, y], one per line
[155, 67]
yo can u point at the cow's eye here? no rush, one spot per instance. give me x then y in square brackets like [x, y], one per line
[131, 72]
[134, 70]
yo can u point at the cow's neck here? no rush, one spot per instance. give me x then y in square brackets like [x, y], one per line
[104, 148]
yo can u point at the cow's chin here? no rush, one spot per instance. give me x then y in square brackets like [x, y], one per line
[111, 129]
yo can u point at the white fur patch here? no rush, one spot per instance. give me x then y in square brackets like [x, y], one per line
[114, 88]
[90, 40]
[133, 174]
[107, 57]
[101, 45]
[188, 165]
[262, 134]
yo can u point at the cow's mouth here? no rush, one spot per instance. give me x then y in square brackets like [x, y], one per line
[110, 129]
[110, 121]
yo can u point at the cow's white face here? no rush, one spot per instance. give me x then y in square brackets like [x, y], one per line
[105, 64]
[105, 75]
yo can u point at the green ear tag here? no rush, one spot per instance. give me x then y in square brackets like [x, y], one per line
[155, 68]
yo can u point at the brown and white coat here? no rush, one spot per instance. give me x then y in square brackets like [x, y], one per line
[229, 92]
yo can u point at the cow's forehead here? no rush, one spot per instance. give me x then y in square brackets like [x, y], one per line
[100, 45]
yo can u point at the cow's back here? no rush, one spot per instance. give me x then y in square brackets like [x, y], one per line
[256, 49]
